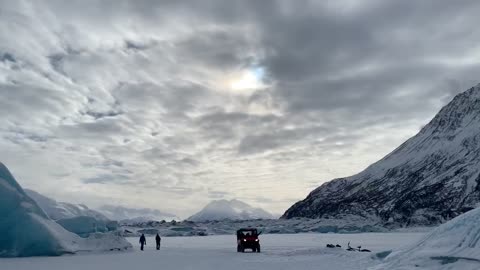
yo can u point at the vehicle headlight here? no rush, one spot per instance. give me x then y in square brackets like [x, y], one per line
[256, 240]
[245, 240]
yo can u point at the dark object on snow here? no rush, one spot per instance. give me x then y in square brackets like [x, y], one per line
[382, 255]
[338, 246]
[143, 241]
[363, 250]
[359, 248]
[248, 239]
[330, 246]
[158, 239]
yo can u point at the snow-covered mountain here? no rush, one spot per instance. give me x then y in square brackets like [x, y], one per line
[431, 178]
[233, 210]
[61, 210]
[125, 214]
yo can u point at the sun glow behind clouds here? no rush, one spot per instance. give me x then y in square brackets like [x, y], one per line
[250, 79]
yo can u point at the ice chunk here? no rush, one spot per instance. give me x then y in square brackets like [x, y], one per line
[453, 245]
[83, 225]
[27, 231]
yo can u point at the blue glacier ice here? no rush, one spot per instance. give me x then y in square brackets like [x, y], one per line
[83, 225]
[452, 245]
[25, 229]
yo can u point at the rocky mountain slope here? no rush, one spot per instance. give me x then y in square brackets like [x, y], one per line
[431, 178]
[232, 210]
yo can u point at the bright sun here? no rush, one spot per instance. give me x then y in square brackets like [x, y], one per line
[250, 79]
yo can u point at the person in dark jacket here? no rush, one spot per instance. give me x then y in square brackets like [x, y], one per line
[158, 239]
[143, 241]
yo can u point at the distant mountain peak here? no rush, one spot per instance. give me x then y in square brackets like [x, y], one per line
[432, 177]
[230, 209]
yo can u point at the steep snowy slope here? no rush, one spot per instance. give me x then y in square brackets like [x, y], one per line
[432, 177]
[233, 210]
[27, 231]
[61, 210]
[453, 245]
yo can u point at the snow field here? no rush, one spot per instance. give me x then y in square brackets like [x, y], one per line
[288, 251]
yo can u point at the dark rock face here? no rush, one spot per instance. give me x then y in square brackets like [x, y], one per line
[429, 179]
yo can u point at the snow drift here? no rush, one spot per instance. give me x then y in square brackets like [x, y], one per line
[232, 210]
[27, 231]
[453, 245]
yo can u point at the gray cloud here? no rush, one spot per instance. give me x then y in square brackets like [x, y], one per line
[132, 102]
[107, 179]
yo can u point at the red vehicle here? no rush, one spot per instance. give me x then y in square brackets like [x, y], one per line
[248, 239]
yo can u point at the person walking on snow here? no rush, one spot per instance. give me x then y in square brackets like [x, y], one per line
[143, 241]
[158, 239]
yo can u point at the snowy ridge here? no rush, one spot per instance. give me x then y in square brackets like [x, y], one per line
[232, 210]
[61, 210]
[431, 178]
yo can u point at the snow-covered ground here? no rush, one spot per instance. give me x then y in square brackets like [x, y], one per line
[287, 251]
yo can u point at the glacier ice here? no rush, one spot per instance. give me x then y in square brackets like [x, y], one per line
[453, 245]
[27, 231]
[76, 218]
[83, 225]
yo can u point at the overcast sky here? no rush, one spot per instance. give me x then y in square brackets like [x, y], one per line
[171, 104]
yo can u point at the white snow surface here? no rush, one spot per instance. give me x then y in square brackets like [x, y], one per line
[287, 251]
[453, 245]
[25, 230]
[232, 210]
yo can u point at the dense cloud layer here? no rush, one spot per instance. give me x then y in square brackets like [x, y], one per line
[169, 104]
